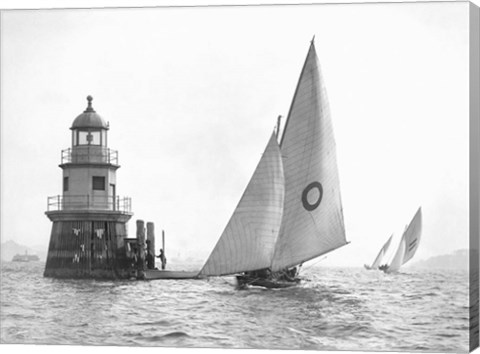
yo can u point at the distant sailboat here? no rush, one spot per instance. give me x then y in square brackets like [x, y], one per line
[378, 260]
[407, 246]
[291, 210]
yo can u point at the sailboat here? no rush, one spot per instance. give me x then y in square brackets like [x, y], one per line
[291, 210]
[407, 246]
[378, 260]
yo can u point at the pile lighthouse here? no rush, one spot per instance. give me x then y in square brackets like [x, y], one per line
[89, 218]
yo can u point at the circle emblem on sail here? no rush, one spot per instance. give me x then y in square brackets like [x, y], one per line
[306, 204]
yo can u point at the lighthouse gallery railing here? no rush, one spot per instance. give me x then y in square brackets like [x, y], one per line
[89, 154]
[89, 202]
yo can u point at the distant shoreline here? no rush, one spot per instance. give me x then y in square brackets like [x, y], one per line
[457, 260]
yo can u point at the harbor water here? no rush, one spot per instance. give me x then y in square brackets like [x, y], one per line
[333, 309]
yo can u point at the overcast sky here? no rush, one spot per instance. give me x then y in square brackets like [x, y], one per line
[192, 96]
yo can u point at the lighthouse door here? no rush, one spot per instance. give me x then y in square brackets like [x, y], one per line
[113, 196]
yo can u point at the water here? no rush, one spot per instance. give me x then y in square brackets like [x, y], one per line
[336, 309]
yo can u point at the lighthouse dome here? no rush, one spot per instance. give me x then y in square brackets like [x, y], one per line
[89, 118]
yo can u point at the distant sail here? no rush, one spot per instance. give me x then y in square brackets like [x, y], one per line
[248, 241]
[397, 259]
[312, 222]
[412, 236]
[381, 254]
[408, 244]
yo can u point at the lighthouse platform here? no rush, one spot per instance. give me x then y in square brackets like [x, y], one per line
[152, 274]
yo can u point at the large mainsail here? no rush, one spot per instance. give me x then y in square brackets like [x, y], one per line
[248, 241]
[312, 222]
[381, 254]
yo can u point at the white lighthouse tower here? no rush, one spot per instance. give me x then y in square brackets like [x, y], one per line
[89, 218]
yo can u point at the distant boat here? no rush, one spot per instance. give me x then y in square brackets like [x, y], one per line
[25, 257]
[291, 210]
[380, 256]
[407, 246]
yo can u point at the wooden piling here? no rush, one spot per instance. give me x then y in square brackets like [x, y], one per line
[141, 248]
[163, 248]
[151, 243]
[163, 241]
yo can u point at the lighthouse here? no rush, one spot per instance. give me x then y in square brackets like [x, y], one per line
[89, 230]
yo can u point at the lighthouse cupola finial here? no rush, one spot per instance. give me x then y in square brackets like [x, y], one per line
[89, 108]
[89, 119]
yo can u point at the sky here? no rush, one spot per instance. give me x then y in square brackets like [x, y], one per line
[192, 96]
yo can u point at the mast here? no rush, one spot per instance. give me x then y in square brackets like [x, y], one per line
[277, 132]
[163, 241]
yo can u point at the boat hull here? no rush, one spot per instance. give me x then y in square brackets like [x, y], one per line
[245, 281]
[169, 274]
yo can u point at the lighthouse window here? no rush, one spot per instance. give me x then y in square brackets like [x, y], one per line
[82, 138]
[95, 138]
[98, 183]
[89, 138]
[65, 184]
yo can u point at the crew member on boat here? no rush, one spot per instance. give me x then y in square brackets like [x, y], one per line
[163, 259]
[287, 274]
